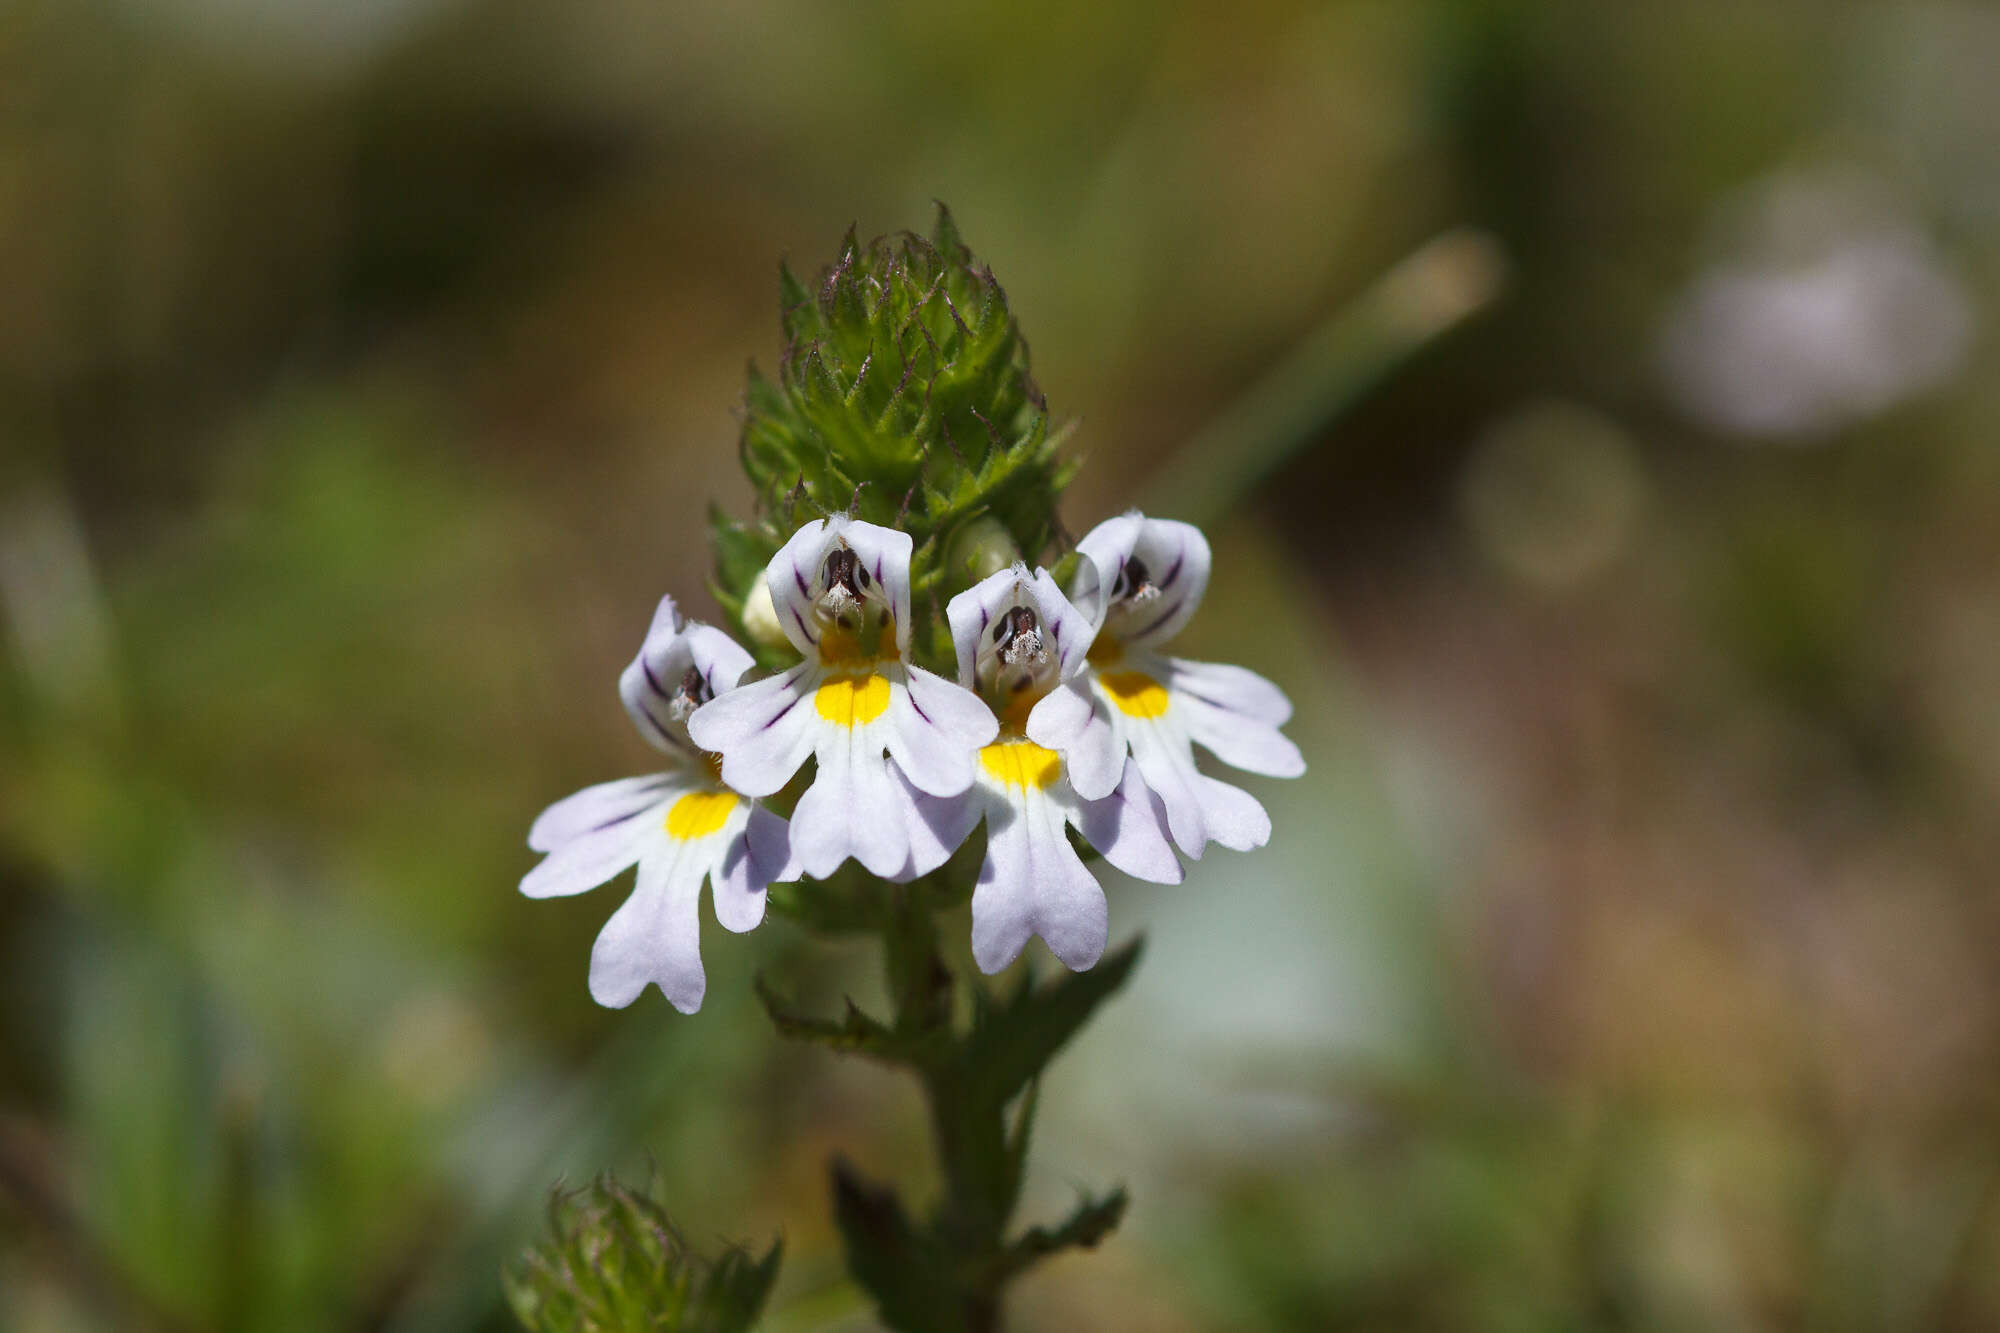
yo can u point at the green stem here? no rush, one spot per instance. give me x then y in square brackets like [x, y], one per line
[971, 1222]
[948, 1274]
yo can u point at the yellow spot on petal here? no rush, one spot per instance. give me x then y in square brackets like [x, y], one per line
[851, 701]
[1021, 764]
[1136, 693]
[699, 813]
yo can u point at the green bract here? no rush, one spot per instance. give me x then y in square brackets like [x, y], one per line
[613, 1263]
[903, 396]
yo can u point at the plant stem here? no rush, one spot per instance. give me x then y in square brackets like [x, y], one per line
[971, 1220]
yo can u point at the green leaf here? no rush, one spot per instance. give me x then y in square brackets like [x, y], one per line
[1014, 1152]
[855, 1033]
[1093, 1220]
[900, 1266]
[849, 901]
[1011, 1042]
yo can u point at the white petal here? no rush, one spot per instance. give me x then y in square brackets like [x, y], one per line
[1230, 688]
[1167, 765]
[1176, 558]
[737, 880]
[790, 576]
[1241, 742]
[595, 808]
[586, 861]
[1072, 721]
[763, 730]
[1232, 816]
[649, 684]
[1070, 631]
[795, 569]
[935, 731]
[1033, 883]
[656, 936]
[1129, 828]
[937, 825]
[886, 554]
[851, 809]
[771, 846]
[974, 612]
[1103, 551]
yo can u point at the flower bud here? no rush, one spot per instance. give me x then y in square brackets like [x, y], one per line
[979, 550]
[903, 399]
[760, 616]
[615, 1260]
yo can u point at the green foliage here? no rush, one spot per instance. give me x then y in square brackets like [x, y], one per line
[945, 1274]
[1012, 1041]
[1093, 1220]
[904, 1269]
[614, 1263]
[903, 396]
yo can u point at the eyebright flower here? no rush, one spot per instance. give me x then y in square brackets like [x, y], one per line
[1018, 638]
[841, 589]
[681, 827]
[1139, 581]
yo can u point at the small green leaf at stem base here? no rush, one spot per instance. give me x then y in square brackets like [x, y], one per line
[855, 1033]
[1093, 1220]
[903, 1268]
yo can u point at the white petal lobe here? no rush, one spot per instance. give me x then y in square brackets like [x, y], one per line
[1232, 689]
[936, 730]
[585, 862]
[737, 880]
[1129, 828]
[1033, 883]
[1241, 742]
[763, 731]
[1232, 816]
[1071, 721]
[595, 808]
[655, 937]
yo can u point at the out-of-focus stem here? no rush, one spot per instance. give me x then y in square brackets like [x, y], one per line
[1430, 292]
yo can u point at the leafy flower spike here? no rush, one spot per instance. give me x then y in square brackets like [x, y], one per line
[681, 827]
[1139, 581]
[841, 590]
[1017, 639]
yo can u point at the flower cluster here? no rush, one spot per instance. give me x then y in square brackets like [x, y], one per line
[1066, 716]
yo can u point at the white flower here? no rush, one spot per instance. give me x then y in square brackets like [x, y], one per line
[841, 589]
[681, 827]
[1827, 303]
[1017, 639]
[1139, 581]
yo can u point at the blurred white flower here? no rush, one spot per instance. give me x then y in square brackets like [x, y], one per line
[1827, 304]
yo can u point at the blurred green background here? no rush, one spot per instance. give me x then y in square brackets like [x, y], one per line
[1627, 958]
